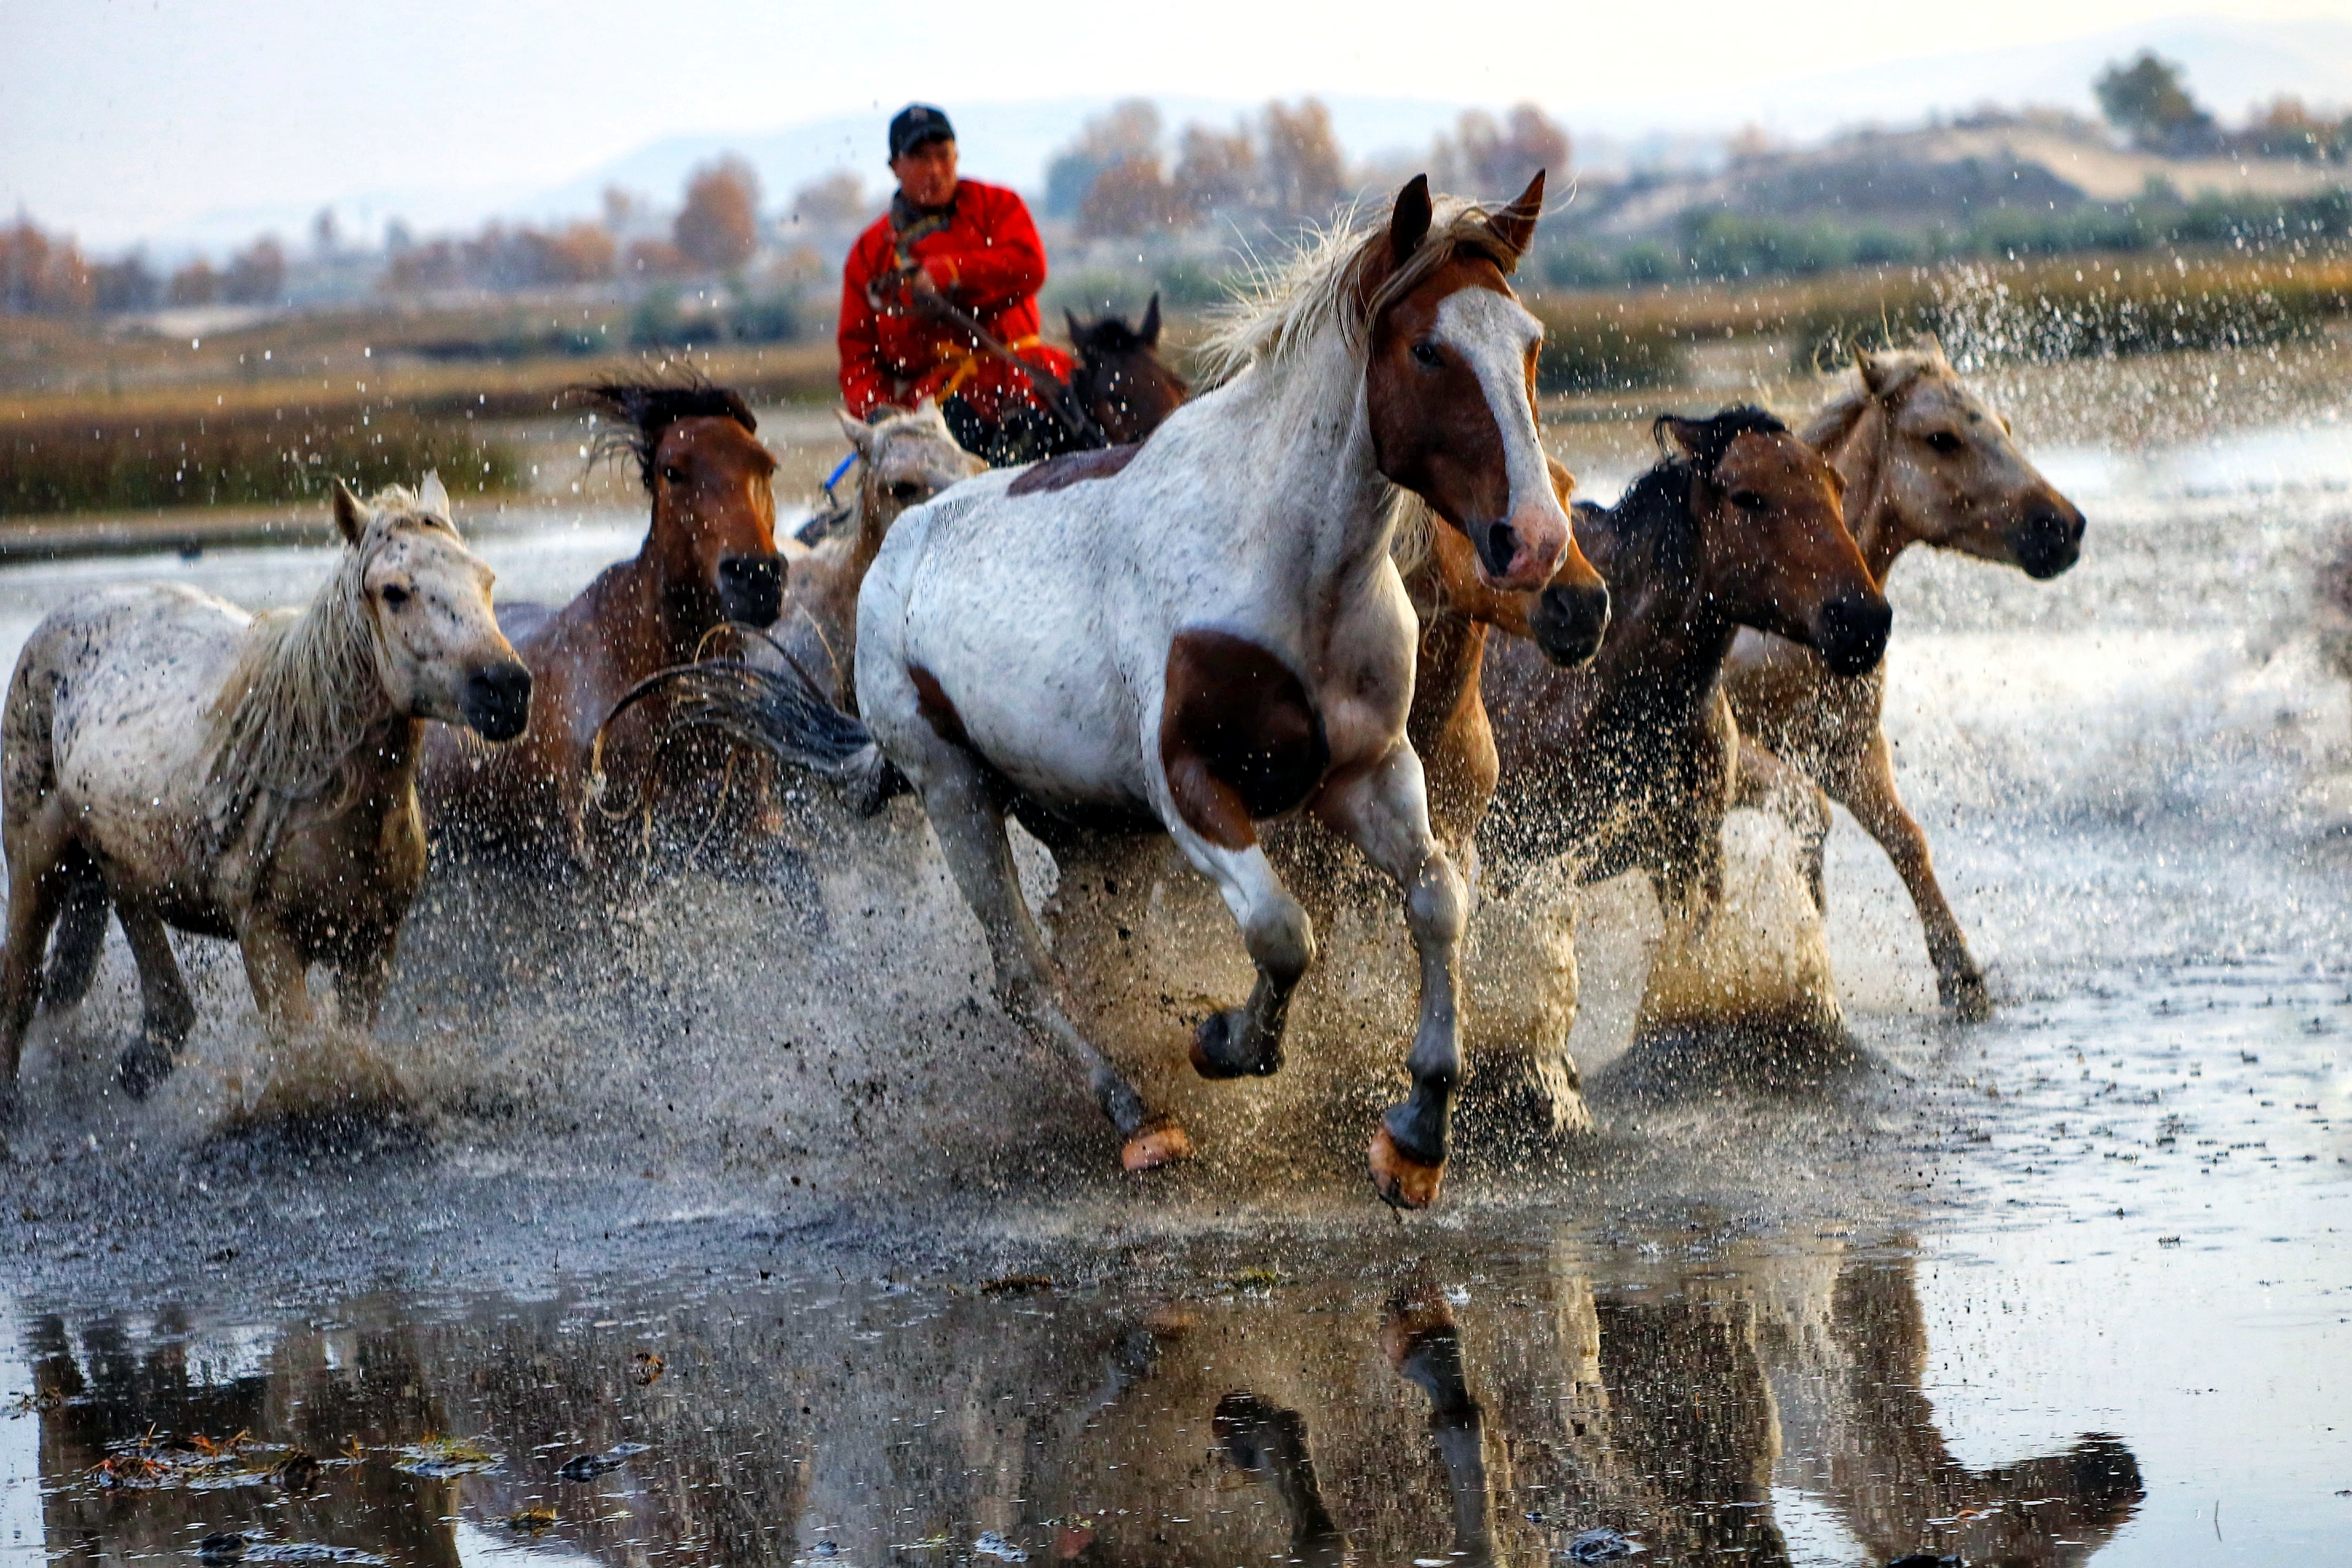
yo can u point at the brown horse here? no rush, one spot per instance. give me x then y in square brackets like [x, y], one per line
[708, 559]
[1925, 461]
[1627, 763]
[1119, 380]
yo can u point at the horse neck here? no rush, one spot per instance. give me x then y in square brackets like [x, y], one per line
[638, 593]
[1447, 666]
[307, 710]
[1667, 640]
[1859, 453]
[874, 515]
[1310, 430]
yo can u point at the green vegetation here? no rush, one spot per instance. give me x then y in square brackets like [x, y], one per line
[126, 464]
[1590, 347]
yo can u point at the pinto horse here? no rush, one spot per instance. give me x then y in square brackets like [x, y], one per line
[709, 558]
[1925, 461]
[1206, 632]
[251, 777]
[1120, 379]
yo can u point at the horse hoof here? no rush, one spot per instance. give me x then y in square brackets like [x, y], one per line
[1965, 998]
[1401, 1181]
[141, 1068]
[1213, 1053]
[1158, 1141]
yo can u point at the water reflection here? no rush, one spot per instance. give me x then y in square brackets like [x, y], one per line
[1457, 1414]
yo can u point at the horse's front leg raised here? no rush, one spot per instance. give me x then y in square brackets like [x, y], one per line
[1246, 1041]
[1384, 812]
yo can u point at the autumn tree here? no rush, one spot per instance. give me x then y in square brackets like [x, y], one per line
[1216, 171]
[1130, 197]
[719, 227]
[41, 274]
[1487, 159]
[195, 284]
[836, 202]
[257, 275]
[1129, 128]
[1305, 174]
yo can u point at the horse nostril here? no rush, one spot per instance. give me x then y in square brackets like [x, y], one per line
[2048, 541]
[1569, 623]
[1854, 631]
[497, 701]
[752, 588]
[1497, 544]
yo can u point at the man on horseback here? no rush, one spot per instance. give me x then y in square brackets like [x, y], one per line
[940, 300]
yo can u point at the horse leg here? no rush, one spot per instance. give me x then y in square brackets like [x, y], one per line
[80, 939]
[38, 850]
[1246, 1041]
[277, 971]
[1766, 783]
[1384, 812]
[961, 803]
[1866, 788]
[166, 1012]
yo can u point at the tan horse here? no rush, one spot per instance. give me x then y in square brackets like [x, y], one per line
[903, 460]
[1925, 461]
[242, 776]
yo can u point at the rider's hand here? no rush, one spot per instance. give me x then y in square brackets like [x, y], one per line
[922, 293]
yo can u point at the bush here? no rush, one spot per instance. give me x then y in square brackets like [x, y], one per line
[107, 464]
[1586, 350]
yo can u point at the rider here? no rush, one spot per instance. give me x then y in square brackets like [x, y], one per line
[949, 247]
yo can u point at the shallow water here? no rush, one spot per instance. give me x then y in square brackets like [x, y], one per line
[2068, 1285]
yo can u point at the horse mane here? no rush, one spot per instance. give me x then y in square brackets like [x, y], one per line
[1656, 508]
[646, 408]
[1833, 421]
[305, 697]
[1280, 307]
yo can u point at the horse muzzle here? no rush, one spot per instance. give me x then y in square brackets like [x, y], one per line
[2048, 542]
[496, 701]
[1851, 634]
[1570, 620]
[1519, 553]
[752, 589]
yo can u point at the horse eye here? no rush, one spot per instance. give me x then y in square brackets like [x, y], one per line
[1943, 443]
[1426, 352]
[395, 596]
[1749, 501]
[672, 474]
[905, 489]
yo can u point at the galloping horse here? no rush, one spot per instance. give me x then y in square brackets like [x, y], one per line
[241, 777]
[1627, 763]
[1925, 461]
[1206, 631]
[1119, 380]
[709, 558]
[903, 460]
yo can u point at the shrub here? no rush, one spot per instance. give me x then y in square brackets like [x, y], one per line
[1605, 350]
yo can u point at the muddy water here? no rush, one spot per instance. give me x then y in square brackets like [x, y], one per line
[2069, 1285]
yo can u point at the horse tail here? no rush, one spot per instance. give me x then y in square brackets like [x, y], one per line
[80, 939]
[779, 713]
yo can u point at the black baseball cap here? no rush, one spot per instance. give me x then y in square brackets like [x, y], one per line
[916, 125]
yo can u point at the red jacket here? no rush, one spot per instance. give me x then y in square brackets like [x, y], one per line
[987, 260]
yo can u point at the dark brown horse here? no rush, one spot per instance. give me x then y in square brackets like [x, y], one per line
[708, 559]
[1119, 380]
[1627, 763]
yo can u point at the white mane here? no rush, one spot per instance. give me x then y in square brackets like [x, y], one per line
[307, 693]
[1280, 307]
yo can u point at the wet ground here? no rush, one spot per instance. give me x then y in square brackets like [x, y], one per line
[2068, 1285]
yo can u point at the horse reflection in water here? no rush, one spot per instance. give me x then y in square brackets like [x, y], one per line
[1666, 1405]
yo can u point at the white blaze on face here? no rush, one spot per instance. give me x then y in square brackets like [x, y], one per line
[1494, 335]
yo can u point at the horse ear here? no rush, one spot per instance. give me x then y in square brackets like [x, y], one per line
[434, 497]
[1149, 331]
[860, 434]
[1877, 375]
[1682, 434]
[1409, 220]
[1077, 333]
[1935, 345]
[1515, 226]
[351, 513]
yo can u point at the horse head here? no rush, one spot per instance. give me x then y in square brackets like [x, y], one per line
[1120, 379]
[1951, 471]
[438, 650]
[1773, 552]
[1449, 380]
[905, 459]
[713, 541]
[1566, 618]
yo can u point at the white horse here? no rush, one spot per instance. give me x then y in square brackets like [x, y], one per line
[903, 460]
[195, 766]
[1206, 631]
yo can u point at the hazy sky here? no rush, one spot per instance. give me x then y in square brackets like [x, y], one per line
[126, 116]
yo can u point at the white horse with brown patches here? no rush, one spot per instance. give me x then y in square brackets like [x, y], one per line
[1206, 631]
[191, 766]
